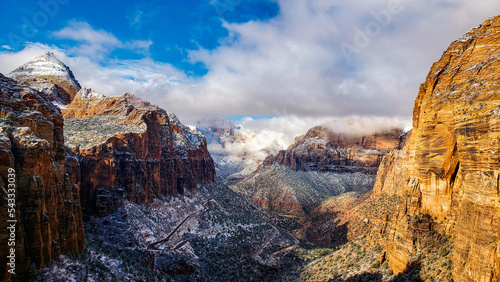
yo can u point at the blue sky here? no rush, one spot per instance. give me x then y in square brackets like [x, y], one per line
[282, 65]
[173, 26]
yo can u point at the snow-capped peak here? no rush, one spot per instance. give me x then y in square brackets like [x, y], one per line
[47, 56]
[45, 65]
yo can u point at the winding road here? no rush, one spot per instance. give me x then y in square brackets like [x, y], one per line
[193, 214]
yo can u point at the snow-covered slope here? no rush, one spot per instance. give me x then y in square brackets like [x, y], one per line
[211, 234]
[184, 137]
[281, 189]
[227, 146]
[49, 75]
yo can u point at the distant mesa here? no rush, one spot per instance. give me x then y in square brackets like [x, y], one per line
[318, 165]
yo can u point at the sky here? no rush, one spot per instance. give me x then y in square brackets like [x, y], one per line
[281, 65]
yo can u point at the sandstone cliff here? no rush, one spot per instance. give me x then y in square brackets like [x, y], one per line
[48, 211]
[128, 148]
[449, 171]
[49, 75]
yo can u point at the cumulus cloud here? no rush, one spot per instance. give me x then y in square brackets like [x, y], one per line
[293, 66]
[296, 63]
[96, 43]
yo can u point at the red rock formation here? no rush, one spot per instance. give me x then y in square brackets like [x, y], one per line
[323, 150]
[48, 212]
[449, 173]
[289, 182]
[131, 149]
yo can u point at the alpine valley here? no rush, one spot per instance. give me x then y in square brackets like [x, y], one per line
[114, 188]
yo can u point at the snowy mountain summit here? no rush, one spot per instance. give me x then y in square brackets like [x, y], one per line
[49, 75]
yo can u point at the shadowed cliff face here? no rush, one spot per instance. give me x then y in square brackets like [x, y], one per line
[48, 211]
[131, 149]
[450, 169]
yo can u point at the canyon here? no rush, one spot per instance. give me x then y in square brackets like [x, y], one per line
[113, 187]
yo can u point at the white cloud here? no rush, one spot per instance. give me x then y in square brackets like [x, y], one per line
[269, 136]
[97, 43]
[136, 18]
[291, 66]
[82, 31]
[294, 63]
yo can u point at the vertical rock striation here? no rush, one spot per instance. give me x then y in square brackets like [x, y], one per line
[131, 149]
[449, 171]
[48, 211]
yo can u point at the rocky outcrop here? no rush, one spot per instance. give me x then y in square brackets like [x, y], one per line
[393, 173]
[449, 172]
[50, 76]
[46, 180]
[130, 149]
[320, 164]
[322, 150]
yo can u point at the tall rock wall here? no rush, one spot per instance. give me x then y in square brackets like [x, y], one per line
[449, 172]
[48, 211]
[131, 149]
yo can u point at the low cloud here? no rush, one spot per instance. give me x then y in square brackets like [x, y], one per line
[269, 136]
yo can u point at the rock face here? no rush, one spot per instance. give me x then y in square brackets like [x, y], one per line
[48, 75]
[449, 171]
[131, 149]
[323, 150]
[48, 211]
[320, 164]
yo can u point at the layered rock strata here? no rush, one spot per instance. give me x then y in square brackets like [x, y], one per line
[46, 180]
[449, 171]
[322, 150]
[130, 149]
